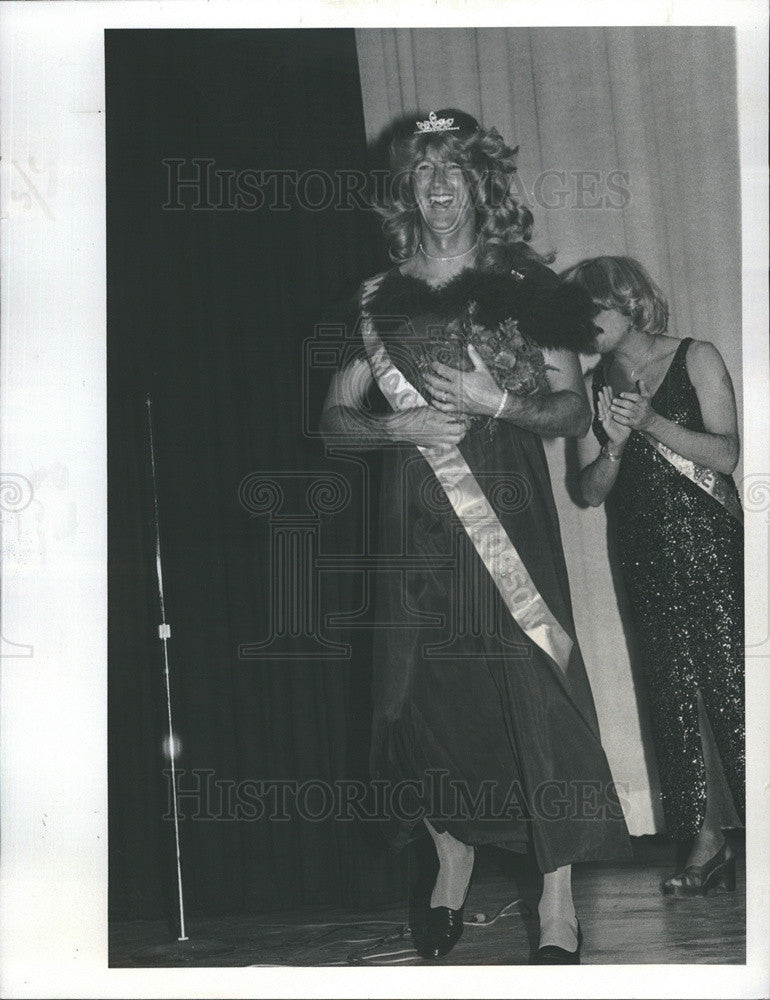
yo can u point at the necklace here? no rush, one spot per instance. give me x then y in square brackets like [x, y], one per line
[637, 370]
[456, 256]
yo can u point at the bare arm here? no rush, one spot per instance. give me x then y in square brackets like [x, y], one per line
[564, 412]
[718, 446]
[344, 420]
[601, 466]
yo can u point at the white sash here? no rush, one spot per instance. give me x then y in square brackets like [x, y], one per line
[474, 511]
[711, 482]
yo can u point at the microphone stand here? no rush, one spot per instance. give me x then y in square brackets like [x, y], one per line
[164, 634]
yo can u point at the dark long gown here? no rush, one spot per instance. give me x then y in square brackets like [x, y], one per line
[474, 725]
[682, 558]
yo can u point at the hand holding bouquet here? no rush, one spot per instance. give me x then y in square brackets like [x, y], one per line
[502, 358]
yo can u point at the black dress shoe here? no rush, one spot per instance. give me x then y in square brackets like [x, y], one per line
[443, 929]
[552, 954]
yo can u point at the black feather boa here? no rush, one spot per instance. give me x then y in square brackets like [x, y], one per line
[549, 313]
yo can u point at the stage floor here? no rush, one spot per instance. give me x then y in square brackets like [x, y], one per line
[625, 920]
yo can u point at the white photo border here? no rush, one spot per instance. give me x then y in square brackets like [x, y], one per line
[53, 667]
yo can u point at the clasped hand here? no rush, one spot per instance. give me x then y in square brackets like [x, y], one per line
[621, 414]
[454, 391]
[425, 427]
[634, 409]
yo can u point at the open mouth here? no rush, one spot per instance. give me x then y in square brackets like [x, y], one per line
[441, 200]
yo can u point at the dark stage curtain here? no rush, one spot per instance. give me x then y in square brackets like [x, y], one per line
[209, 311]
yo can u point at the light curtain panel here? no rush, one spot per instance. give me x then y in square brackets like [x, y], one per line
[628, 145]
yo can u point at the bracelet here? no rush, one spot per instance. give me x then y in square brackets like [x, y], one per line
[606, 453]
[501, 407]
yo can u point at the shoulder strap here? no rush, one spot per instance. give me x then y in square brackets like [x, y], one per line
[680, 357]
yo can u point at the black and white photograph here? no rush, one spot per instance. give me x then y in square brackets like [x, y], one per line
[385, 547]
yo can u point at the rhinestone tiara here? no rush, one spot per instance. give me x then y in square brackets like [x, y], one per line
[434, 124]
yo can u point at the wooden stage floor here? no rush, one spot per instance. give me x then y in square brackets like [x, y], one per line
[625, 920]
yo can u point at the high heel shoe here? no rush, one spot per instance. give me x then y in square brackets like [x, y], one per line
[699, 880]
[552, 954]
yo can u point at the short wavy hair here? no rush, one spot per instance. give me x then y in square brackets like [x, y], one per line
[622, 283]
[488, 165]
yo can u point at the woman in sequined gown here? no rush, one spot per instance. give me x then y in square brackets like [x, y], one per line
[680, 548]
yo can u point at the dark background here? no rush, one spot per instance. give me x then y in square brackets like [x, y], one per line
[207, 314]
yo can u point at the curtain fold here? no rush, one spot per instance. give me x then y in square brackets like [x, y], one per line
[209, 312]
[628, 145]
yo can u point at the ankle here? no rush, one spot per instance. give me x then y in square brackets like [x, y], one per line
[709, 840]
[563, 913]
[454, 876]
[705, 847]
[555, 910]
[561, 932]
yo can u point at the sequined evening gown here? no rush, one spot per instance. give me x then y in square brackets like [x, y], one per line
[682, 558]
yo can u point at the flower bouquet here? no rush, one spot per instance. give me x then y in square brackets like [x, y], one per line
[515, 361]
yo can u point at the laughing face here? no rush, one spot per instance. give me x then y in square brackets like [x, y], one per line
[442, 194]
